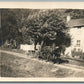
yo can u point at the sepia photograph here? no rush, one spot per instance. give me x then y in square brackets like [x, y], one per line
[41, 43]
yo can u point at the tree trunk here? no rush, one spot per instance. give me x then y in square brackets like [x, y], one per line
[41, 45]
[53, 46]
[35, 45]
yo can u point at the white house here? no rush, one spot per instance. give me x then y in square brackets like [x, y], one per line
[77, 37]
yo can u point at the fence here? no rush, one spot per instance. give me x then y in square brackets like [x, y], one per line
[27, 47]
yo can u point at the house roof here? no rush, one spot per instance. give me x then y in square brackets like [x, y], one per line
[76, 23]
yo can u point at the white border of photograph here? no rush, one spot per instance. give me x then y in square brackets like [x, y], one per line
[42, 5]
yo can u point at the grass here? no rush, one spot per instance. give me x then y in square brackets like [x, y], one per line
[13, 66]
[13, 50]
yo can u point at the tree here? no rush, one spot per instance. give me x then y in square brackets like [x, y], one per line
[9, 26]
[75, 13]
[48, 28]
[14, 23]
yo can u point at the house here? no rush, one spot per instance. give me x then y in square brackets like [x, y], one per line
[76, 30]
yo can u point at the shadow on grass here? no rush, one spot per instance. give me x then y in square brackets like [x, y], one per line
[60, 61]
[57, 60]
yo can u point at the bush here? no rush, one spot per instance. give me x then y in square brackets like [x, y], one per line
[52, 55]
[48, 54]
[45, 53]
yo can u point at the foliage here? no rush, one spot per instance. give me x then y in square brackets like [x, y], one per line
[75, 13]
[48, 27]
[46, 53]
[9, 26]
[35, 20]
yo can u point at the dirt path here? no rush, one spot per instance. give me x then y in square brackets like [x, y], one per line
[67, 66]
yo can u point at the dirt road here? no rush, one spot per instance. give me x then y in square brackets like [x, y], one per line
[41, 68]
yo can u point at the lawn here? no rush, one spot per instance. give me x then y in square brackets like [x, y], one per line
[13, 50]
[13, 66]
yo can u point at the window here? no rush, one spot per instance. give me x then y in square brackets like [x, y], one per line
[78, 43]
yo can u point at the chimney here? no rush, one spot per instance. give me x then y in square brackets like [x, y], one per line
[68, 18]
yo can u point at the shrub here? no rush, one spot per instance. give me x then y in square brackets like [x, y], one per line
[45, 53]
[48, 54]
